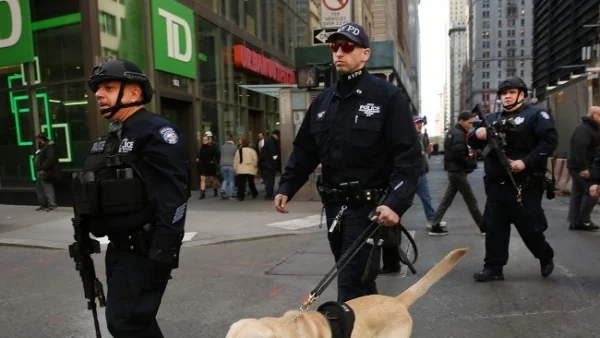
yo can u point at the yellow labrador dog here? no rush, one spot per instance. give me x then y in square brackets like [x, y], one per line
[377, 316]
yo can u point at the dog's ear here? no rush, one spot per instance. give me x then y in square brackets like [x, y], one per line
[250, 328]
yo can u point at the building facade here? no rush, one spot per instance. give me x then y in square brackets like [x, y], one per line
[457, 37]
[500, 45]
[198, 55]
[414, 31]
[565, 40]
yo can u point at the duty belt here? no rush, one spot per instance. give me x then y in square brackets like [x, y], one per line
[137, 242]
[350, 197]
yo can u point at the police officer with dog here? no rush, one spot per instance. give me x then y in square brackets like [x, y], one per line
[515, 178]
[134, 189]
[361, 132]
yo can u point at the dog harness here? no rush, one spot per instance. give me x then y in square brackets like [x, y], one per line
[340, 317]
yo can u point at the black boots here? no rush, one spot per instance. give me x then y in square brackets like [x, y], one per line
[488, 275]
[547, 266]
[202, 194]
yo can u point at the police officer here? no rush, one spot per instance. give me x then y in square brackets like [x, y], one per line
[141, 169]
[361, 131]
[529, 137]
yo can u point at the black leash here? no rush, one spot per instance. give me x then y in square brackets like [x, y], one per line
[369, 232]
[341, 263]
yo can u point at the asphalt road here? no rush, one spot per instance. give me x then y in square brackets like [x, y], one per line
[218, 284]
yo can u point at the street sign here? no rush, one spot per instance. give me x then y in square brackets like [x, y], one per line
[335, 13]
[321, 35]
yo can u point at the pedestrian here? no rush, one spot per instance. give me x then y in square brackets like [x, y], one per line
[361, 131]
[528, 137]
[585, 142]
[215, 178]
[47, 171]
[207, 165]
[228, 151]
[269, 162]
[245, 166]
[141, 169]
[459, 161]
[390, 258]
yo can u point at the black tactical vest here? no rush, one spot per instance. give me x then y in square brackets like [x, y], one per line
[109, 185]
[517, 137]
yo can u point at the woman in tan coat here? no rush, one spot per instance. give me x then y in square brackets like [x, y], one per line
[245, 166]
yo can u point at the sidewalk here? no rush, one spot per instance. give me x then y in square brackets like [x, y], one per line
[208, 221]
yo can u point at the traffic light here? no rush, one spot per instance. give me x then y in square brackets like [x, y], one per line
[310, 76]
[307, 77]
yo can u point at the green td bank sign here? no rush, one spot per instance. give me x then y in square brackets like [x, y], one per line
[174, 38]
[16, 39]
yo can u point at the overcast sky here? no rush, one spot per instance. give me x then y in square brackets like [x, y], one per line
[433, 17]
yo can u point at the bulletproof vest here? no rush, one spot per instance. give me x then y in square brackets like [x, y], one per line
[109, 184]
[518, 137]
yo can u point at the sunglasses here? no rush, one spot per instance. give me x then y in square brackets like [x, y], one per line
[347, 46]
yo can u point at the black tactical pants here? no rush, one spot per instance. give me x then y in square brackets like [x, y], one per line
[135, 290]
[352, 225]
[529, 220]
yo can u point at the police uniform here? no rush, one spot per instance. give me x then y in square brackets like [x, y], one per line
[529, 135]
[134, 189]
[361, 131]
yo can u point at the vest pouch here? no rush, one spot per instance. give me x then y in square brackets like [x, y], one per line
[122, 195]
[84, 190]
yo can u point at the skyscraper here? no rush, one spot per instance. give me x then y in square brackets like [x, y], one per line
[457, 34]
[500, 45]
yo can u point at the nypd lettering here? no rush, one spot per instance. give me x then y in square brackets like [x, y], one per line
[350, 29]
[355, 74]
[169, 135]
[369, 109]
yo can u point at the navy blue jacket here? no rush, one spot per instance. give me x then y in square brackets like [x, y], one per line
[367, 135]
[530, 136]
[163, 163]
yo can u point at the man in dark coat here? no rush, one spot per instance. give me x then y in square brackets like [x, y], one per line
[585, 142]
[47, 172]
[270, 162]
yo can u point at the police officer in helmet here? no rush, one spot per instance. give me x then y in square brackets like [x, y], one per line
[362, 133]
[136, 194]
[528, 137]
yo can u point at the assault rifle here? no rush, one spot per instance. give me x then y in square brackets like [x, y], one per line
[81, 251]
[496, 143]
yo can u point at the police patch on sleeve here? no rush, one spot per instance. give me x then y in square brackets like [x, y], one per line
[545, 115]
[169, 135]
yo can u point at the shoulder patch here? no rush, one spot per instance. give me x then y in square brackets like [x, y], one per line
[545, 115]
[169, 135]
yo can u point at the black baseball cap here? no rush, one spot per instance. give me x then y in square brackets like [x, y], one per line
[353, 32]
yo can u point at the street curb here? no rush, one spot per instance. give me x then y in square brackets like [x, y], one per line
[30, 243]
[48, 245]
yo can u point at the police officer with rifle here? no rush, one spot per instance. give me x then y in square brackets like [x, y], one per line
[362, 133]
[517, 142]
[134, 189]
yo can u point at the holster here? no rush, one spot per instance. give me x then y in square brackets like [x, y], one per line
[387, 237]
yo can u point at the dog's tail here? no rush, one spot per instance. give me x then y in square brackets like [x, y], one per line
[418, 289]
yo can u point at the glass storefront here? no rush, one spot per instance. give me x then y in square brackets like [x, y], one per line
[60, 95]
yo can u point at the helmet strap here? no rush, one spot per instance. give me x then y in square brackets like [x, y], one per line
[511, 106]
[119, 105]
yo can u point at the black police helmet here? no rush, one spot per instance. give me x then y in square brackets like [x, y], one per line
[123, 71]
[512, 83]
